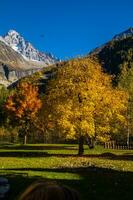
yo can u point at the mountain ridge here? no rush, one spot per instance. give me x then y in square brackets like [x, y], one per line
[120, 36]
[116, 55]
[26, 49]
[13, 65]
[18, 58]
[124, 34]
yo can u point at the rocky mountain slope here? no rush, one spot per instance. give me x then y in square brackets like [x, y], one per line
[18, 58]
[117, 53]
[19, 44]
[124, 34]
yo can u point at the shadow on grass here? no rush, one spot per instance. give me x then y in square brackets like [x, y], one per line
[29, 154]
[33, 147]
[94, 183]
[23, 154]
[112, 156]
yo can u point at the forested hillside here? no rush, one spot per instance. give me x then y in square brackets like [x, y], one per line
[116, 58]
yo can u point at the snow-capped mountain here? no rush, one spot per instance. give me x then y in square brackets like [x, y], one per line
[19, 44]
[125, 34]
[18, 58]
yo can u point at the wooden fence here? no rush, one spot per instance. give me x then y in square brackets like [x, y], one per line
[114, 145]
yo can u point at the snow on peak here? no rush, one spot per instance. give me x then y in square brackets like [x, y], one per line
[11, 32]
[19, 44]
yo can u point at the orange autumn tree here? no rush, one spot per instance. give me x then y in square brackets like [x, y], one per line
[23, 106]
[80, 102]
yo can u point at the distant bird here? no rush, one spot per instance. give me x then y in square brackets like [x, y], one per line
[42, 35]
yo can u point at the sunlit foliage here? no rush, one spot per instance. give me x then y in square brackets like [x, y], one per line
[22, 107]
[81, 102]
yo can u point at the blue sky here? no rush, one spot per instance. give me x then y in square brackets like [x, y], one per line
[66, 28]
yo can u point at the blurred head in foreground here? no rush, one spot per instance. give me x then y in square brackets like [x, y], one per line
[48, 191]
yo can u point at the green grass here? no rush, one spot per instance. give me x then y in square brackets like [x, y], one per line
[100, 174]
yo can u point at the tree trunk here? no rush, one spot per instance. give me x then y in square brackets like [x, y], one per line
[90, 142]
[12, 138]
[25, 139]
[81, 145]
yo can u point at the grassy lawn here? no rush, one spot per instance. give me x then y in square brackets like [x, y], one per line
[98, 175]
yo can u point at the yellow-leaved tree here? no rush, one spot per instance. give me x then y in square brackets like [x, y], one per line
[81, 102]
